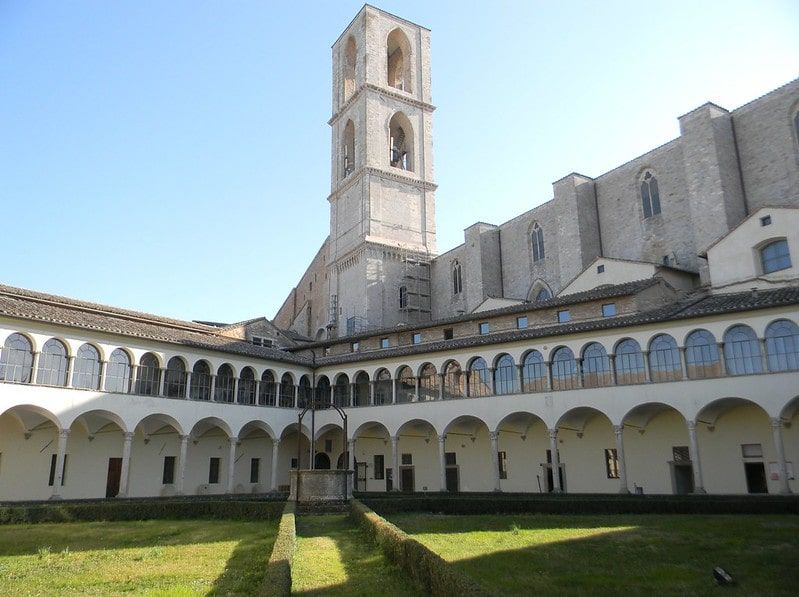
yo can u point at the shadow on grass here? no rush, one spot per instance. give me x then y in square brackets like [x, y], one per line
[614, 554]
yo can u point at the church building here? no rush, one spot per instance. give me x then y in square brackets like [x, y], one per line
[637, 332]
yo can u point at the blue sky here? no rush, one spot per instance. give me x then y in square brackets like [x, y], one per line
[173, 157]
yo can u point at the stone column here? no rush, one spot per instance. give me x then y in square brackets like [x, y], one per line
[124, 475]
[618, 431]
[184, 444]
[63, 436]
[699, 486]
[578, 365]
[442, 461]
[213, 388]
[231, 466]
[70, 370]
[134, 371]
[776, 430]
[275, 454]
[548, 365]
[187, 391]
[612, 363]
[683, 363]
[722, 359]
[395, 458]
[277, 394]
[441, 386]
[417, 381]
[553, 449]
[351, 454]
[763, 354]
[161, 381]
[372, 393]
[493, 378]
[494, 437]
[103, 367]
[35, 366]
[353, 396]
[647, 376]
[235, 397]
[520, 378]
[394, 391]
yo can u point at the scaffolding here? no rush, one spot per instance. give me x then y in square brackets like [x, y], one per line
[414, 290]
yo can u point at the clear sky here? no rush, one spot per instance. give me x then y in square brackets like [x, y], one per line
[173, 156]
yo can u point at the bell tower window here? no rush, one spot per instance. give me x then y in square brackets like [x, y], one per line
[348, 150]
[350, 53]
[398, 63]
[400, 142]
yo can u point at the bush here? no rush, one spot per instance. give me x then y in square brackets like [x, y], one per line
[431, 573]
[581, 504]
[140, 510]
[278, 570]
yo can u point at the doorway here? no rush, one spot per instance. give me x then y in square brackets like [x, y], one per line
[321, 461]
[755, 477]
[114, 476]
[549, 481]
[452, 479]
[682, 477]
[406, 479]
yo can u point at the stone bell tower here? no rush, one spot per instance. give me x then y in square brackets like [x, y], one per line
[382, 205]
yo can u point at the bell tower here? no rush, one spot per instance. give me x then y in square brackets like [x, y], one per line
[382, 204]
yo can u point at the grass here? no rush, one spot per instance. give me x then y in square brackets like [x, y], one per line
[615, 554]
[334, 557]
[159, 557]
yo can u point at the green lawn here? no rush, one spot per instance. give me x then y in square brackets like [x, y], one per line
[333, 557]
[158, 557]
[615, 554]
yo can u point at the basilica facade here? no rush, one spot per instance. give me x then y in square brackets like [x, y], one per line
[639, 332]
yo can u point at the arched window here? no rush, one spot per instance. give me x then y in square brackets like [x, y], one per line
[479, 380]
[742, 351]
[782, 345]
[505, 376]
[348, 150]
[543, 295]
[287, 391]
[304, 392]
[247, 386]
[361, 389]
[630, 366]
[796, 125]
[398, 61]
[702, 355]
[86, 374]
[564, 369]
[323, 390]
[454, 381]
[664, 359]
[350, 55]
[537, 240]
[401, 142]
[267, 390]
[225, 383]
[775, 256]
[341, 391]
[403, 297]
[406, 386]
[148, 378]
[650, 196]
[53, 364]
[175, 380]
[428, 383]
[534, 372]
[383, 393]
[596, 366]
[16, 359]
[201, 381]
[117, 372]
[457, 279]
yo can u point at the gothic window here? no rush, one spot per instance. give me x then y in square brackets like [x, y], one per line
[537, 240]
[341, 391]
[650, 196]
[406, 385]
[428, 383]
[775, 256]
[86, 374]
[247, 386]
[543, 295]
[348, 150]
[454, 381]
[400, 148]
[287, 390]
[782, 345]
[304, 392]
[702, 355]
[505, 375]
[457, 279]
[350, 54]
[383, 387]
[398, 61]
[225, 383]
[201, 381]
[361, 389]
[403, 297]
[479, 380]
[16, 359]
[742, 351]
[664, 359]
[149, 375]
[175, 378]
[630, 367]
[534, 372]
[323, 390]
[564, 369]
[596, 366]
[796, 125]
[53, 364]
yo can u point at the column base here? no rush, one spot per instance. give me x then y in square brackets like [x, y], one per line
[700, 491]
[624, 491]
[786, 491]
[497, 490]
[121, 495]
[55, 497]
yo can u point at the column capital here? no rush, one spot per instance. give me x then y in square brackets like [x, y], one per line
[275, 442]
[64, 433]
[618, 429]
[184, 438]
[776, 422]
[493, 435]
[232, 439]
[128, 435]
[691, 425]
[351, 441]
[394, 439]
[442, 438]
[553, 433]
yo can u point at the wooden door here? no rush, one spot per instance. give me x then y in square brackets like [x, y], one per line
[406, 479]
[114, 475]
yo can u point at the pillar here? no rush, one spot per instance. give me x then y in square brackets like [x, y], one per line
[275, 454]
[35, 366]
[548, 365]
[187, 390]
[699, 486]
[351, 455]
[124, 475]
[70, 370]
[612, 363]
[520, 378]
[372, 393]
[618, 431]
[441, 386]
[63, 436]
[184, 444]
[442, 461]
[161, 381]
[647, 375]
[134, 371]
[553, 449]
[776, 430]
[417, 381]
[683, 364]
[493, 377]
[393, 391]
[494, 437]
[578, 365]
[231, 466]
[103, 367]
[395, 464]
[213, 388]
[763, 354]
[722, 359]
[277, 394]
